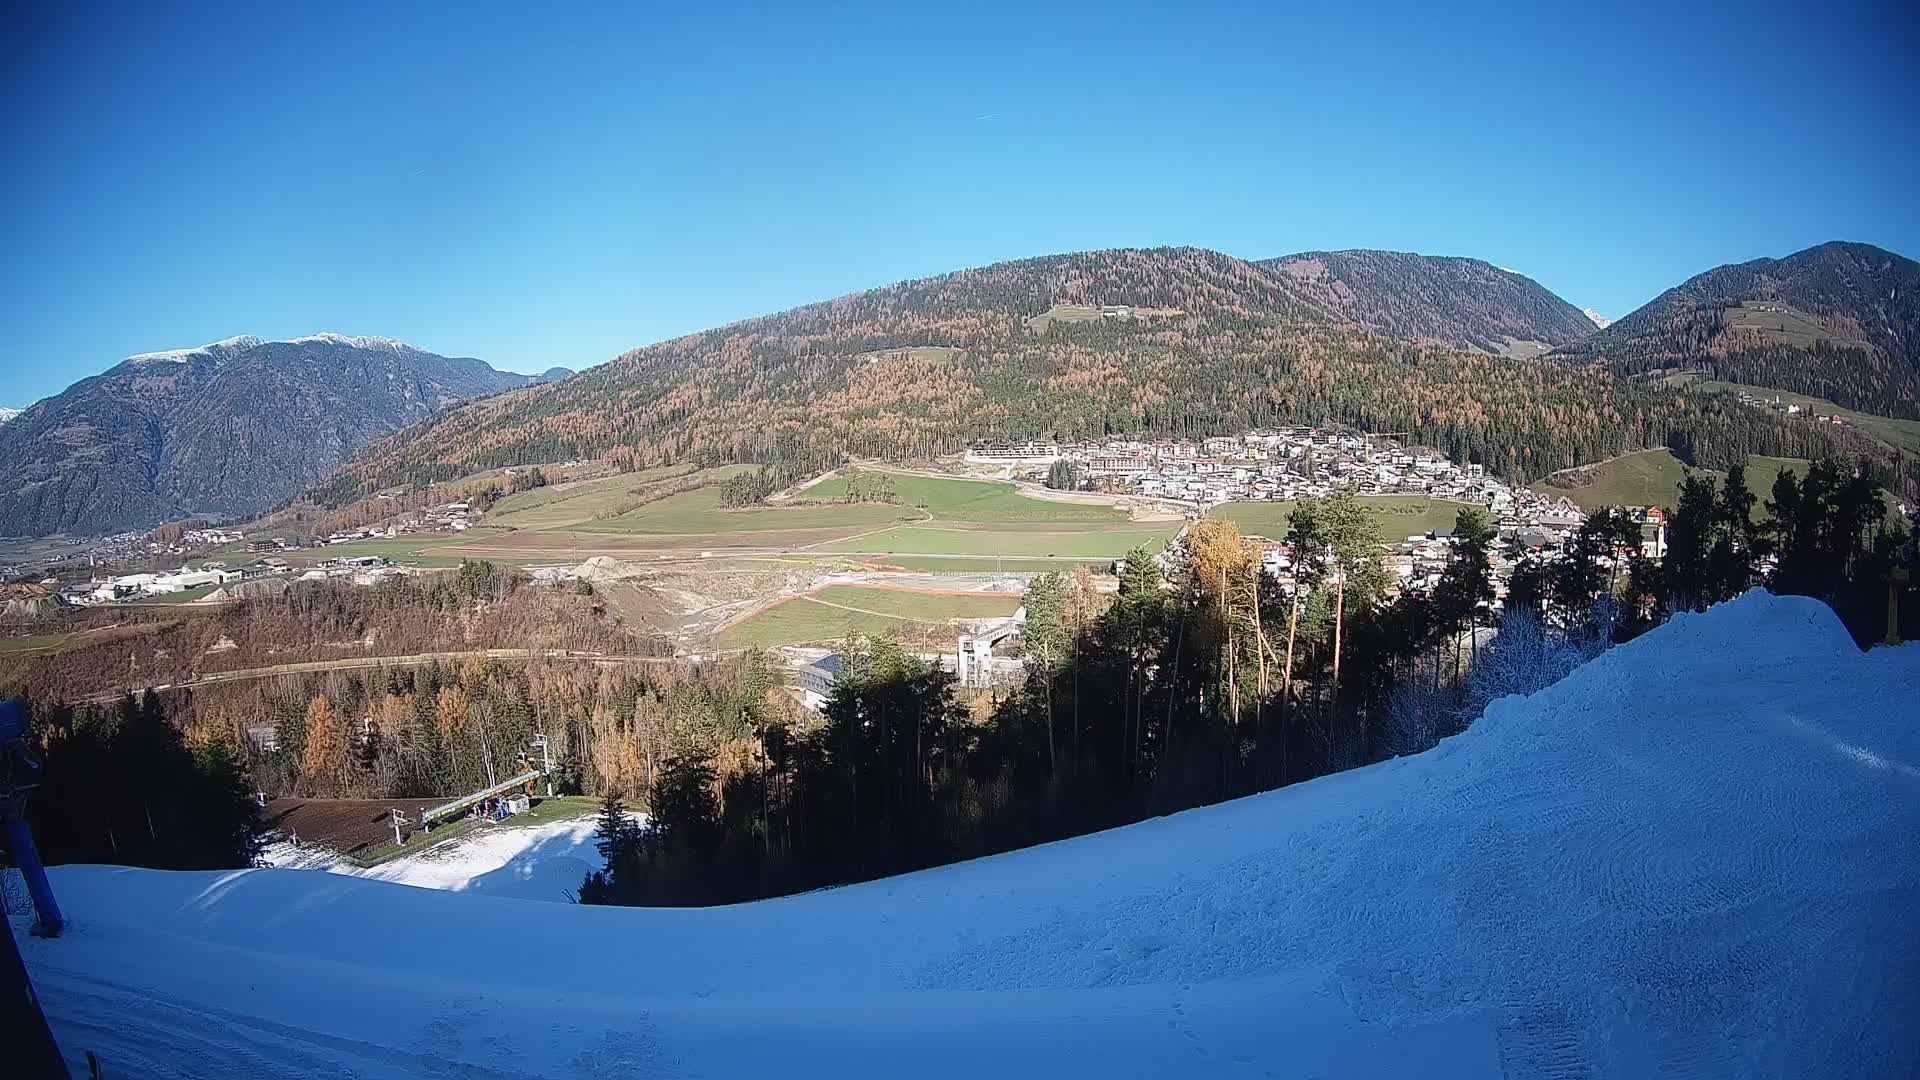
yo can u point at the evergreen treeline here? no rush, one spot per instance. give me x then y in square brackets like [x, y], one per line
[750, 488]
[1200, 679]
[121, 784]
[1205, 684]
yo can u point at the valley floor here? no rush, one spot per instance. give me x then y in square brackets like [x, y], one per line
[1691, 858]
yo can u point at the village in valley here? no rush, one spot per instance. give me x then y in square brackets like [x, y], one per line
[1288, 465]
[963, 610]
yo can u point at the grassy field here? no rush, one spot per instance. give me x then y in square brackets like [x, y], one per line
[698, 513]
[36, 643]
[800, 621]
[1899, 434]
[970, 500]
[185, 596]
[1784, 324]
[935, 540]
[831, 613]
[52, 643]
[1652, 478]
[1648, 478]
[920, 606]
[33, 550]
[956, 564]
[407, 547]
[1400, 516]
[570, 504]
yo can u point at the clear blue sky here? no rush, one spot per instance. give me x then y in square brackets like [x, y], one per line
[535, 191]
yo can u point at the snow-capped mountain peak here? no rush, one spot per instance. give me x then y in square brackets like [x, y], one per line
[1599, 320]
[220, 350]
[8, 414]
[357, 342]
[226, 347]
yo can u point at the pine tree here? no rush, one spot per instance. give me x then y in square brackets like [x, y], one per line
[616, 835]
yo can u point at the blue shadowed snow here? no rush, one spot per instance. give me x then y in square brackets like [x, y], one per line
[1693, 857]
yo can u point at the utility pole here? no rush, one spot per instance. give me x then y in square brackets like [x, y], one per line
[1896, 580]
[546, 760]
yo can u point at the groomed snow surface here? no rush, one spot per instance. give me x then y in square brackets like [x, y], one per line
[540, 862]
[1694, 857]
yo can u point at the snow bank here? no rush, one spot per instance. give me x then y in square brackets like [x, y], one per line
[1693, 857]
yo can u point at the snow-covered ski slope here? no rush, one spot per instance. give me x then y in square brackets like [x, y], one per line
[537, 862]
[1695, 857]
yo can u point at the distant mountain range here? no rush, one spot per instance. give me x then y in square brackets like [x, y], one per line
[1167, 342]
[1598, 319]
[1462, 303]
[229, 428]
[1839, 321]
[1459, 354]
[8, 414]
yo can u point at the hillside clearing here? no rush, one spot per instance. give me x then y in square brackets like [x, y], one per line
[570, 504]
[1652, 478]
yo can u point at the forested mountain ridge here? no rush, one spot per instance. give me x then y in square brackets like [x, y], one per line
[1164, 342]
[1463, 303]
[1839, 321]
[228, 428]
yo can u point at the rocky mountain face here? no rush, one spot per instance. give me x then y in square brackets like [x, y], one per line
[225, 429]
[1839, 321]
[1461, 303]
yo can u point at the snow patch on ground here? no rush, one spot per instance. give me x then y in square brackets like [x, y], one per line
[538, 862]
[1691, 858]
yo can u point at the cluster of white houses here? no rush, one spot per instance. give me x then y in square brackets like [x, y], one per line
[1284, 465]
[138, 586]
[359, 569]
[1418, 562]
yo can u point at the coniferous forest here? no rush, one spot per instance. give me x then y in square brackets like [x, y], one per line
[1201, 679]
[1208, 683]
